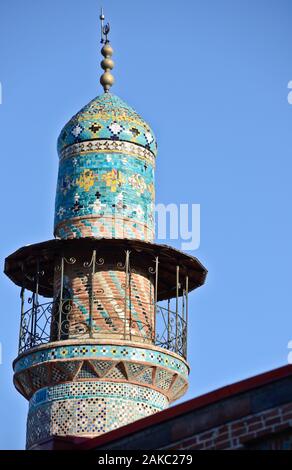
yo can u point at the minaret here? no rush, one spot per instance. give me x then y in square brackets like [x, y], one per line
[104, 310]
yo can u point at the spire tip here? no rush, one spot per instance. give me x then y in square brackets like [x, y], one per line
[107, 64]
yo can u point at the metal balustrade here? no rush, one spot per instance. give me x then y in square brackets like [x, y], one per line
[60, 319]
[41, 324]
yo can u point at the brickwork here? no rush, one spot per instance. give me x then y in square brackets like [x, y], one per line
[123, 310]
[236, 434]
[111, 226]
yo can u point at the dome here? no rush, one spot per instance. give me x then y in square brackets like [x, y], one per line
[107, 117]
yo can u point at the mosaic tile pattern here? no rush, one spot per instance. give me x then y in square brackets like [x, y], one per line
[108, 147]
[107, 117]
[155, 377]
[76, 390]
[105, 195]
[88, 409]
[102, 352]
[177, 387]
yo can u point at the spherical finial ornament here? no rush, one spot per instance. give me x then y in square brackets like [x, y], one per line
[107, 64]
[107, 50]
[107, 80]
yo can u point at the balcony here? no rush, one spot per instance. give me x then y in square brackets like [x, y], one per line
[63, 296]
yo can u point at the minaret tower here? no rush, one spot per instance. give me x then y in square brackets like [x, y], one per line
[104, 310]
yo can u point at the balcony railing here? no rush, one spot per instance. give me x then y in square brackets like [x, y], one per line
[54, 321]
[163, 322]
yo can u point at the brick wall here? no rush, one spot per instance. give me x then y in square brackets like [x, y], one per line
[237, 434]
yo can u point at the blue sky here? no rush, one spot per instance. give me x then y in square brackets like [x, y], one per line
[211, 78]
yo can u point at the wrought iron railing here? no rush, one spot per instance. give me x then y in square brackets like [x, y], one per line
[56, 321]
[171, 330]
[165, 324]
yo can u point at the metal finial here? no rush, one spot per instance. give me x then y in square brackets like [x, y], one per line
[105, 29]
[101, 17]
[107, 64]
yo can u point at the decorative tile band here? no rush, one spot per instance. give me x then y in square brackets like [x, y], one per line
[81, 390]
[104, 227]
[107, 117]
[106, 192]
[88, 409]
[102, 352]
[108, 146]
[51, 373]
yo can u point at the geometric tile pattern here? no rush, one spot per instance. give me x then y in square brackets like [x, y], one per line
[38, 427]
[146, 377]
[57, 374]
[108, 146]
[178, 388]
[107, 117]
[88, 389]
[86, 372]
[88, 409]
[103, 352]
[164, 380]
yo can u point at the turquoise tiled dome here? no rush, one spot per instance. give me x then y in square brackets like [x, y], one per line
[107, 117]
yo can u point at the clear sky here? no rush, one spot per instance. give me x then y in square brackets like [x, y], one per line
[211, 78]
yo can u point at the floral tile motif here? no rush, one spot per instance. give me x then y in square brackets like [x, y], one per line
[102, 188]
